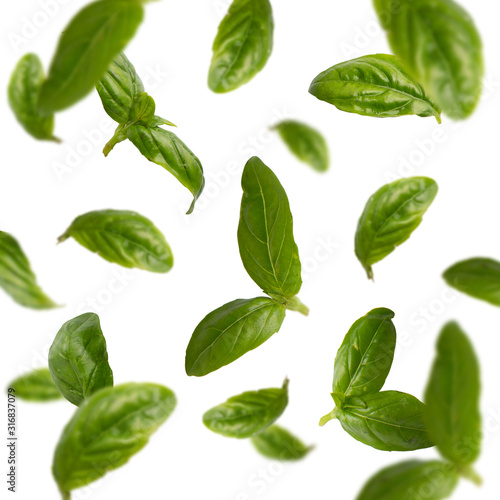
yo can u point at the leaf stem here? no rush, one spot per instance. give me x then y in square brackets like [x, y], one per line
[470, 474]
[118, 136]
[329, 416]
[294, 304]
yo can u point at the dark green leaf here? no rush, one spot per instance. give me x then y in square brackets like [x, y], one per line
[24, 87]
[242, 46]
[389, 421]
[452, 412]
[165, 149]
[143, 110]
[365, 357]
[247, 414]
[230, 331]
[411, 480]
[440, 45]
[106, 430]
[78, 359]
[305, 142]
[265, 232]
[277, 443]
[390, 216]
[36, 386]
[17, 278]
[376, 85]
[122, 237]
[478, 277]
[86, 49]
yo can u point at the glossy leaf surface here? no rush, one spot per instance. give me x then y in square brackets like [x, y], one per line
[36, 386]
[277, 443]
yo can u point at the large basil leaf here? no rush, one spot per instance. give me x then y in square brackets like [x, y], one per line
[36, 386]
[106, 430]
[78, 359]
[119, 87]
[390, 216]
[452, 412]
[478, 277]
[24, 87]
[242, 46]
[277, 443]
[17, 278]
[265, 232]
[365, 357]
[376, 85]
[165, 149]
[411, 480]
[305, 142]
[86, 48]
[230, 331]
[439, 44]
[123, 237]
[389, 421]
[247, 414]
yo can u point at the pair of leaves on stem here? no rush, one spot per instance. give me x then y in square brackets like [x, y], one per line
[390, 216]
[123, 237]
[252, 415]
[388, 420]
[122, 94]
[453, 422]
[270, 256]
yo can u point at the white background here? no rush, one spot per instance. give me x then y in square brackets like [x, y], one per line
[148, 324]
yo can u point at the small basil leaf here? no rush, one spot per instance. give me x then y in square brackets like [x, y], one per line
[86, 49]
[106, 430]
[158, 120]
[17, 278]
[242, 46]
[24, 87]
[277, 443]
[143, 110]
[36, 386]
[165, 149]
[247, 414]
[230, 331]
[440, 45]
[123, 237]
[78, 359]
[305, 142]
[365, 357]
[390, 421]
[118, 88]
[265, 232]
[411, 480]
[478, 277]
[376, 85]
[390, 216]
[452, 397]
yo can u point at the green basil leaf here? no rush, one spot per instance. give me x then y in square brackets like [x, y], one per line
[242, 46]
[106, 430]
[249, 413]
[411, 480]
[118, 88]
[277, 443]
[440, 45]
[478, 277]
[17, 278]
[230, 331]
[390, 216]
[123, 237]
[158, 120]
[265, 232]
[36, 386]
[452, 413]
[143, 110]
[365, 357]
[165, 149]
[24, 87]
[376, 85]
[86, 49]
[78, 359]
[389, 421]
[305, 142]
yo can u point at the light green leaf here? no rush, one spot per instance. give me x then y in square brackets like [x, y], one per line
[36, 386]
[277, 443]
